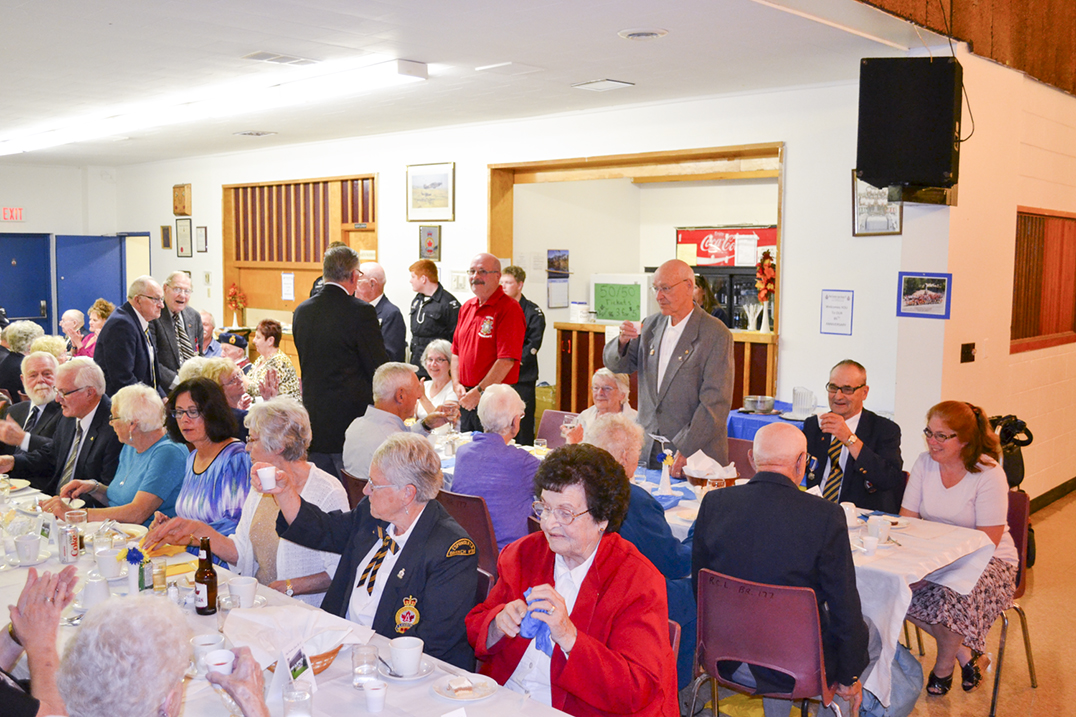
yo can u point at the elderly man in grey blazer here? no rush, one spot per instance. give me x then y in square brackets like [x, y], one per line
[178, 329]
[684, 360]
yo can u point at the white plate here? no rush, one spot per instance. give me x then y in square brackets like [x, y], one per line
[133, 530]
[95, 573]
[424, 668]
[13, 560]
[687, 513]
[789, 416]
[484, 687]
[15, 484]
[898, 523]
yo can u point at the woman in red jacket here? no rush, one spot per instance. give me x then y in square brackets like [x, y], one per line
[594, 639]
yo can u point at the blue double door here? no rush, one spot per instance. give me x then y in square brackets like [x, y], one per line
[43, 275]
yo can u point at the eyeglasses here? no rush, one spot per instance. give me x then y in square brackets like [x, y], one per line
[182, 292]
[939, 437]
[603, 389]
[65, 394]
[846, 390]
[153, 299]
[563, 515]
[373, 486]
[480, 272]
[436, 359]
[113, 419]
[191, 413]
[233, 380]
[665, 289]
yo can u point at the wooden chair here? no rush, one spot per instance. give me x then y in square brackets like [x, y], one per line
[471, 513]
[533, 524]
[738, 448]
[485, 584]
[549, 428]
[674, 636]
[781, 632]
[355, 487]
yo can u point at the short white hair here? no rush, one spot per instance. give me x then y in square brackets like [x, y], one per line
[622, 380]
[409, 459]
[194, 367]
[86, 373]
[140, 405]
[622, 437]
[36, 356]
[498, 407]
[138, 286]
[390, 377]
[20, 334]
[171, 280]
[77, 315]
[373, 270]
[437, 346]
[282, 426]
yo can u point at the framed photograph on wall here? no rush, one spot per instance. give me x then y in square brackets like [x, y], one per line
[875, 211]
[429, 243]
[201, 239]
[924, 296]
[166, 236]
[183, 238]
[431, 192]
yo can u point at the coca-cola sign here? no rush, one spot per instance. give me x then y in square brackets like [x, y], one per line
[726, 246]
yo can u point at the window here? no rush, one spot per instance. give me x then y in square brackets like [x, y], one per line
[1044, 280]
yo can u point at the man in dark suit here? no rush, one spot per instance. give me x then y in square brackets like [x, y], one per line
[84, 446]
[371, 289]
[768, 531]
[512, 282]
[868, 470]
[406, 566]
[30, 424]
[126, 349]
[684, 360]
[178, 329]
[340, 346]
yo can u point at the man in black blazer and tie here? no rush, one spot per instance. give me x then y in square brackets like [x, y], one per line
[178, 329]
[126, 349]
[868, 469]
[340, 346]
[84, 446]
[30, 424]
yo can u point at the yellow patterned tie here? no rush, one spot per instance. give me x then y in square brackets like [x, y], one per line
[387, 544]
[833, 485]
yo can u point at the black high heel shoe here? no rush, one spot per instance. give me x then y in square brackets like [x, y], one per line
[970, 674]
[939, 686]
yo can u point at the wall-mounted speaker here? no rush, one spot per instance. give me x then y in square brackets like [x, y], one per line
[909, 121]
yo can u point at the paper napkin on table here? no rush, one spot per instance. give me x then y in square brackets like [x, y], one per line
[179, 568]
[266, 630]
[700, 465]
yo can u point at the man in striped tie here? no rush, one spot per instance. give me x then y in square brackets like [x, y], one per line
[855, 452]
[179, 328]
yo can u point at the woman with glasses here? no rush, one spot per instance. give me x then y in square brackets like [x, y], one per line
[217, 476]
[578, 617]
[225, 373]
[437, 389]
[279, 437]
[959, 481]
[273, 372]
[151, 467]
[610, 391]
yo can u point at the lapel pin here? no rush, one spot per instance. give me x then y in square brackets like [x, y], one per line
[399, 575]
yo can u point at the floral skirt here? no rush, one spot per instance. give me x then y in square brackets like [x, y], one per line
[969, 615]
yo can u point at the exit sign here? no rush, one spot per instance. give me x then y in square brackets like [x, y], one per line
[12, 214]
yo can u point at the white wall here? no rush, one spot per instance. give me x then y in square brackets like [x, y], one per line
[57, 200]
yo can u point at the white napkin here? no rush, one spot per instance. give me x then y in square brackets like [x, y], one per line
[267, 630]
[815, 490]
[701, 465]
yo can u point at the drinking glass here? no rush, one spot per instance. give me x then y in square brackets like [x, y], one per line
[225, 604]
[363, 665]
[160, 573]
[298, 702]
[540, 446]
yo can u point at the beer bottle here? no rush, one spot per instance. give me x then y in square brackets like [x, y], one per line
[205, 581]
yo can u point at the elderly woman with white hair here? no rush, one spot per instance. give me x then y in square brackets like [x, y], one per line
[151, 468]
[646, 528]
[490, 466]
[19, 336]
[406, 566]
[610, 391]
[437, 389]
[279, 438]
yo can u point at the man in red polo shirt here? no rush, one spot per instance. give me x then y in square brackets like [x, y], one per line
[488, 342]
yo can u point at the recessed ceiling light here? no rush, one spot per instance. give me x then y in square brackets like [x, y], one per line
[642, 34]
[253, 133]
[602, 85]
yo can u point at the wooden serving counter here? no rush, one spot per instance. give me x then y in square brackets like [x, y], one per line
[579, 355]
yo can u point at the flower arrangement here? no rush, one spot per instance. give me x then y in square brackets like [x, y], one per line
[766, 277]
[237, 300]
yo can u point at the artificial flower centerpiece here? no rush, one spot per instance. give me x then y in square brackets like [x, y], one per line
[237, 301]
[766, 277]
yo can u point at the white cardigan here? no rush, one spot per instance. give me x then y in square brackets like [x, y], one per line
[293, 561]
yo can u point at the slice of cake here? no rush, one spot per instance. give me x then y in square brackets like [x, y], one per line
[461, 686]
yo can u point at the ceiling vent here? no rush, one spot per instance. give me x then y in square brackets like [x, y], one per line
[278, 59]
[602, 85]
[642, 35]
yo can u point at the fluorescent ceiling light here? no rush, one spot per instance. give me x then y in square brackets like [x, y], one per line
[294, 86]
[602, 85]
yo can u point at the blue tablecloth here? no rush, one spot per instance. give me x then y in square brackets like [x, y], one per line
[746, 425]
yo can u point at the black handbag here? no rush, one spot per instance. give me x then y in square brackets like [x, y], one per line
[1014, 435]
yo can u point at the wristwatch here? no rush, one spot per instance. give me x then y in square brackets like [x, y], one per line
[852, 440]
[288, 591]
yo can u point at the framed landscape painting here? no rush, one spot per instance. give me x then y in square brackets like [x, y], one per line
[431, 192]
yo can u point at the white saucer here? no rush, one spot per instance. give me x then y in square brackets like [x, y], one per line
[95, 573]
[16, 484]
[484, 687]
[13, 560]
[789, 416]
[424, 668]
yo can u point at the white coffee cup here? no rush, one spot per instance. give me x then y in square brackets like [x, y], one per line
[406, 655]
[95, 592]
[245, 588]
[851, 515]
[220, 661]
[203, 645]
[107, 563]
[878, 527]
[267, 476]
[870, 544]
[375, 692]
[28, 546]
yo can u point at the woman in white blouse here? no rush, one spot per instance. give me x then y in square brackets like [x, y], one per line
[279, 437]
[610, 391]
[437, 390]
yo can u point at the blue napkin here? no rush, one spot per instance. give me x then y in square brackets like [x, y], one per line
[532, 627]
[866, 516]
[680, 492]
[448, 462]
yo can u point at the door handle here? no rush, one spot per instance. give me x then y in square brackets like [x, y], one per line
[44, 309]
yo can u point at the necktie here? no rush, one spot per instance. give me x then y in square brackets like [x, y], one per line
[152, 358]
[387, 544]
[69, 467]
[833, 485]
[31, 420]
[186, 348]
